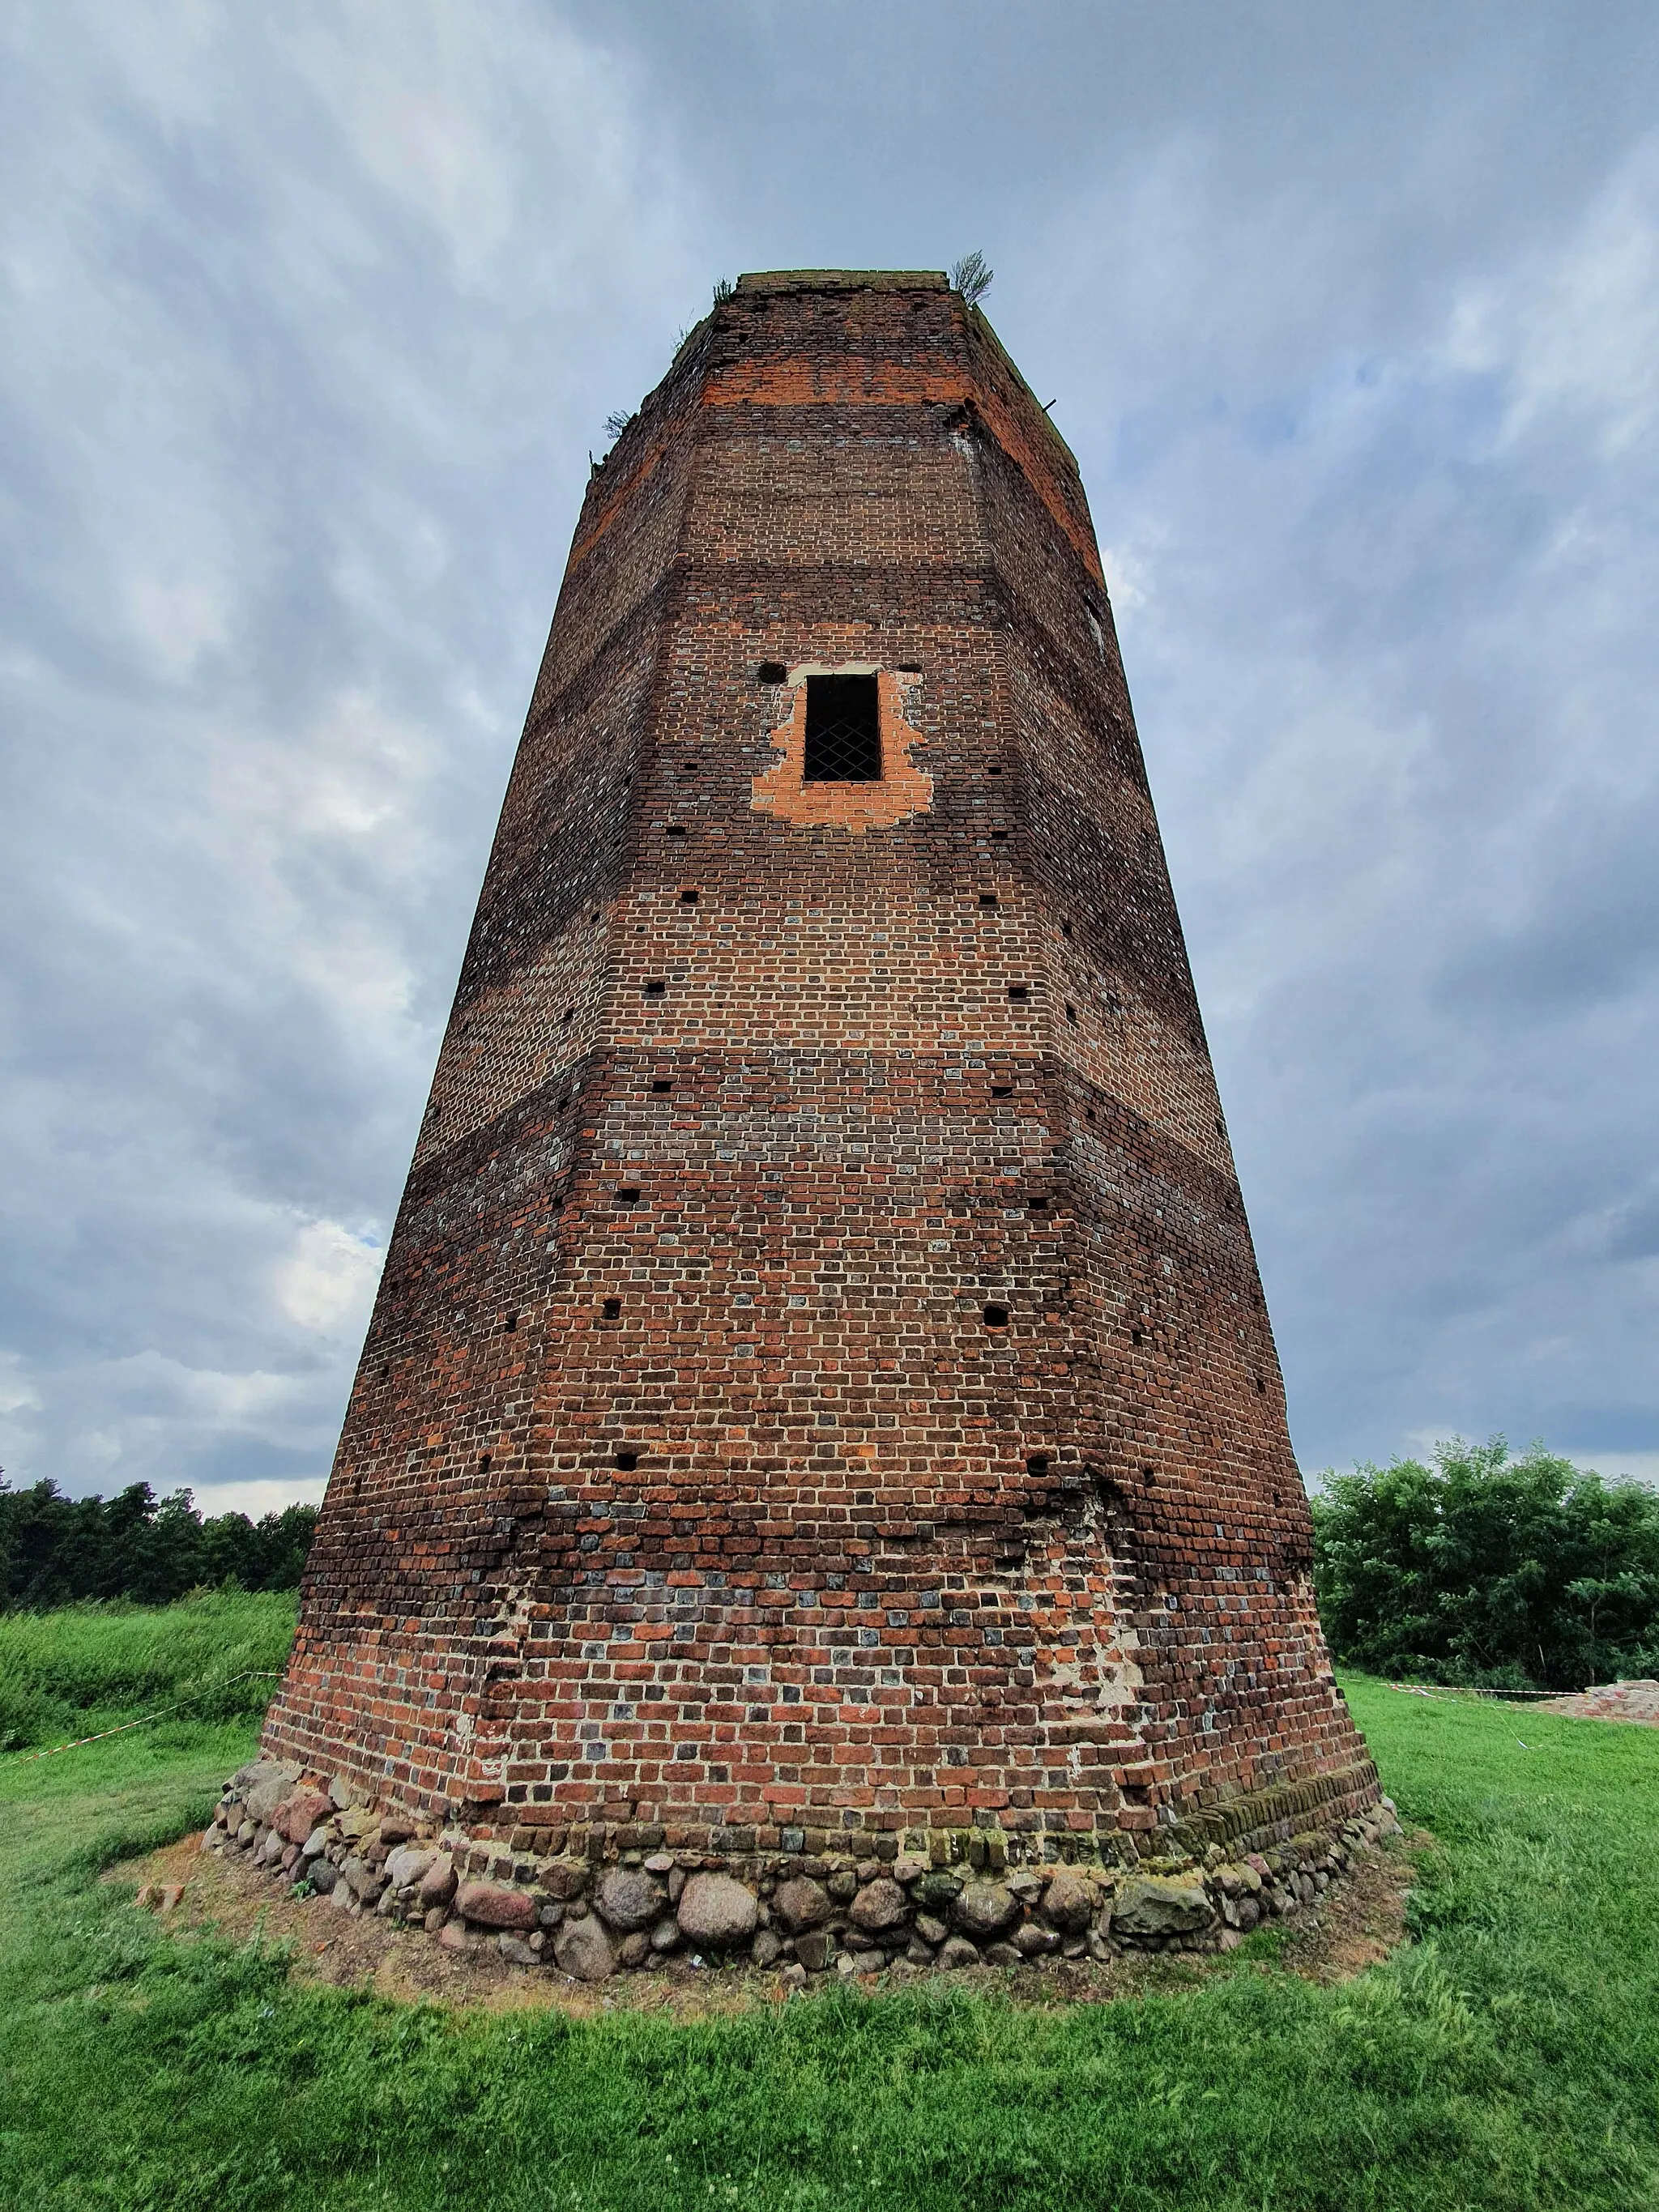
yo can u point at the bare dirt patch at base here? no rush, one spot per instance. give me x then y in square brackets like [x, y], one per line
[1352, 1926]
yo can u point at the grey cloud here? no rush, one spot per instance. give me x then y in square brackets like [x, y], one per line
[318, 317]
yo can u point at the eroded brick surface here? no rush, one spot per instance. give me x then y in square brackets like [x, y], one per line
[821, 1380]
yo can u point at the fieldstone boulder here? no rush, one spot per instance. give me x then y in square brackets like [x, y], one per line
[438, 1882]
[938, 1890]
[1157, 1905]
[409, 1864]
[879, 1905]
[959, 1952]
[306, 1810]
[263, 1786]
[364, 1881]
[801, 1904]
[716, 1912]
[1034, 1943]
[582, 1949]
[1070, 1902]
[564, 1878]
[630, 1899]
[815, 1949]
[492, 1904]
[984, 1910]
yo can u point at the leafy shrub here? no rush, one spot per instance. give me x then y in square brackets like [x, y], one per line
[54, 1550]
[1520, 1573]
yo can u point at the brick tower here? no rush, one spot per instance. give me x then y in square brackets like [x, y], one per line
[821, 1381]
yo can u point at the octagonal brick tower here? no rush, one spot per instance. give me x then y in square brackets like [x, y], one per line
[820, 1380]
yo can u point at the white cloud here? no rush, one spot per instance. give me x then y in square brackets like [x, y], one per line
[313, 316]
[1576, 329]
[327, 1281]
[255, 1498]
[312, 322]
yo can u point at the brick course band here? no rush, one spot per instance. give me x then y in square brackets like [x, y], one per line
[820, 1382]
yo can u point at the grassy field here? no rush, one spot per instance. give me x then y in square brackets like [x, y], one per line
[91, 1667]
[1509, 2057]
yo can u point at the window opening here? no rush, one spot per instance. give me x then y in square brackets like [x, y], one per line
[843, 729]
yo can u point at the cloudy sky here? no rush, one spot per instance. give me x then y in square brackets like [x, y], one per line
[313, 315]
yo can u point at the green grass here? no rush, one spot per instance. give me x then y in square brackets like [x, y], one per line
[89, 1667]
[1508, 2058]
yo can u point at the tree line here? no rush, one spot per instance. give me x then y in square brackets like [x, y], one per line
[1495, 1572]
[55, 1550]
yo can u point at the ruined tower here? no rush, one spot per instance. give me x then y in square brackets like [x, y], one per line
[820, 1382]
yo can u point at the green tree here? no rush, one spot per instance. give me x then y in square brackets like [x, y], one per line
[55, 1550]
[1527, 1573]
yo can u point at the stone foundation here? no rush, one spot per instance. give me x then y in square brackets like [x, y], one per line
[589, 1901]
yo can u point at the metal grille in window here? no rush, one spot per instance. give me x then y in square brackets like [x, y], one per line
[843, 729]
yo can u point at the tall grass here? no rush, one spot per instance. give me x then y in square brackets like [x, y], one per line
[85, 1667]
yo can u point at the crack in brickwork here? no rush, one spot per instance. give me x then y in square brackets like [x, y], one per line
[821, 1381]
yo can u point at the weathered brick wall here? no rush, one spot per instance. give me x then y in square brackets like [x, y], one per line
[821, 1380]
